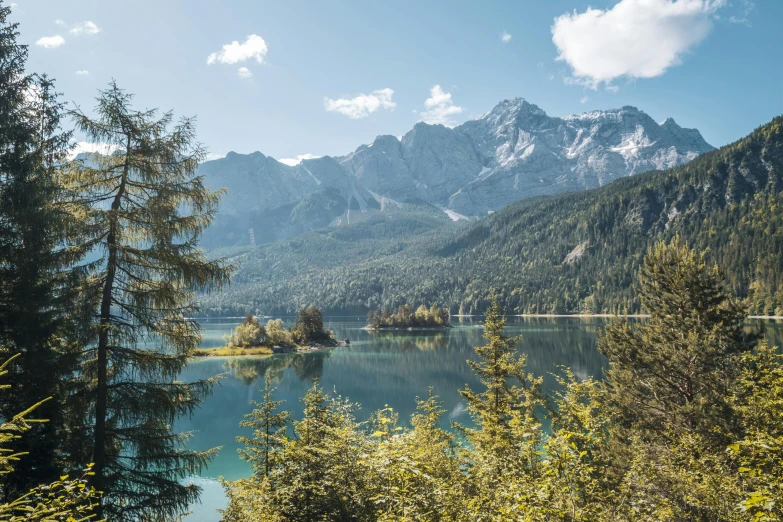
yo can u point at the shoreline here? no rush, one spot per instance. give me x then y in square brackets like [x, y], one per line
[264, 351]
[770, 317]
[406, 328]
[582, 315]
[642, 316]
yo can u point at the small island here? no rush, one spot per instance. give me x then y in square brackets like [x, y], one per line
[252, 338]
[405, 318]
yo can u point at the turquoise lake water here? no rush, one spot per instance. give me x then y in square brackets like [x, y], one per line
[377, 369]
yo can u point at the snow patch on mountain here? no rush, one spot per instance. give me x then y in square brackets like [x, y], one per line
[513, 151]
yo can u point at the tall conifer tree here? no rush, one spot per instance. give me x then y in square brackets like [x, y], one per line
[267, 423]
[673, 373]
[145, 209]
[36, 283]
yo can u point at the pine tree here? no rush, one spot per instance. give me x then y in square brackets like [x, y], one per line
[37, 284]
[267, 423]
[309, 326]
[498, 366]
[507, 434]
[674, 372]
[145, 209]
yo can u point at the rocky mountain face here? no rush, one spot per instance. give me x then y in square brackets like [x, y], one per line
[514, 151]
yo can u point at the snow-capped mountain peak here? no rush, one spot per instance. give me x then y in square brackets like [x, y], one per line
[513, 151]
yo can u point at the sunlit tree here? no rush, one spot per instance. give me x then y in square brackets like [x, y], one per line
[144, 209]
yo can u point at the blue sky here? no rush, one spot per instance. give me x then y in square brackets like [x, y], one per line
[293, 82]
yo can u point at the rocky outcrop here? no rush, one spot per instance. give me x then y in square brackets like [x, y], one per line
[514, 151]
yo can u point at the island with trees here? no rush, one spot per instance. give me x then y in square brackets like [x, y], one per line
[406, 318]
[253, 338]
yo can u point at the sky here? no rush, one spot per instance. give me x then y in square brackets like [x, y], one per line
[299, 79]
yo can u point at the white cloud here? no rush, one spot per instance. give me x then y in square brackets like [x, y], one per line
[292, 162]
[440, 108]
[59, 22]
[584, 99]
[50, 42]
[505, 37]
[214, 155]
[362, 105]
[748, 5]
[235, 52]
[86, 27]
[92, 148]
[244, 72]
[633, 39]
[83, 72]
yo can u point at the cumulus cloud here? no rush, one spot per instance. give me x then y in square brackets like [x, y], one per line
[584, 99]
[253, 47]
[362, 105]
[633, 39]
[439, 108]
[86, 27]
[50, 42]
[505, 37]
[83, 72]
[292, 162]
[244, 72]
[59, 22]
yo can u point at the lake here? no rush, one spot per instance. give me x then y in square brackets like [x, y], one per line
[377, 369]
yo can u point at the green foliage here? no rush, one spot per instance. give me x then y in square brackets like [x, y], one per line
[70, 499]
[673, 373]
[758, 399]
[309, 326]
[686, 426]
[277, 334]
[250, 333]
[405, 317]
[37, 280]
[267, 440]
[725, 203]
[143, 210]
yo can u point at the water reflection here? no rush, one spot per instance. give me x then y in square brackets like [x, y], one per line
[251, 370]
[379, 368]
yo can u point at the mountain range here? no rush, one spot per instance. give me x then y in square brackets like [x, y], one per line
[513, 151]
[567, 253]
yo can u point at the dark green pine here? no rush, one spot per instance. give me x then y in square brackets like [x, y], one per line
[37, 286]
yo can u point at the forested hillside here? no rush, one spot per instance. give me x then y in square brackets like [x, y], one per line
[571, 253]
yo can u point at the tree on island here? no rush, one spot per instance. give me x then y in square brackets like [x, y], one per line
[404, 317]
[309, 326]
[250, 333]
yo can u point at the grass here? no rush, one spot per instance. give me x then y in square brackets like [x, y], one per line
[227, 351]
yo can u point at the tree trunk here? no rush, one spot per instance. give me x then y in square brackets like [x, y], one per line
[98, 480]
